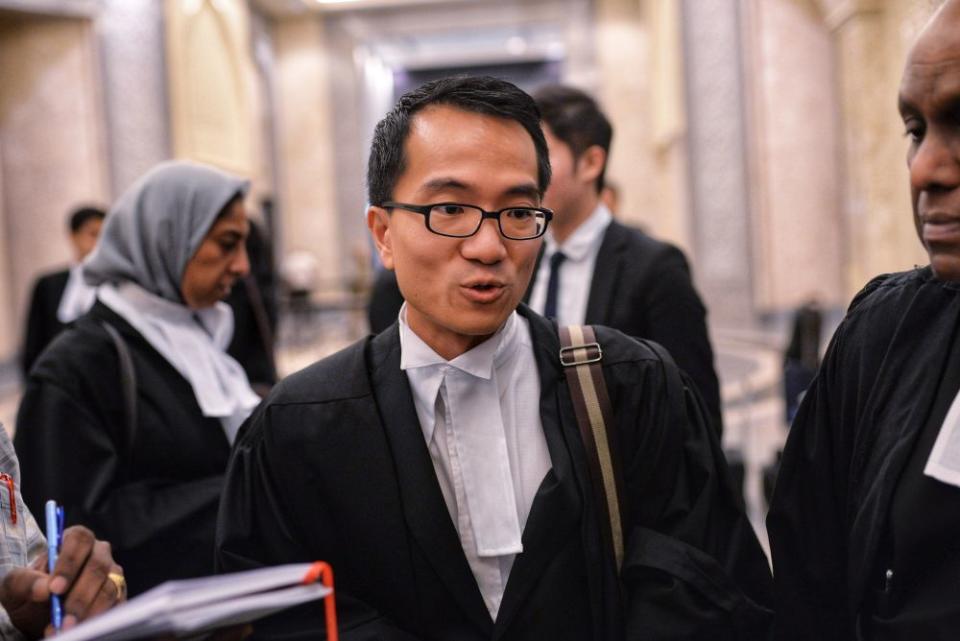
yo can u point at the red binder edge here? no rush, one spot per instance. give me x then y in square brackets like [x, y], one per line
[321, 571]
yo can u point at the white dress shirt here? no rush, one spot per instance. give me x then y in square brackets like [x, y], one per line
[480, 416]
[943, 463]
[78, 297]
[576, 272]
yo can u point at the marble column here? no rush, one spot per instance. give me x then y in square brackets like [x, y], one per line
[134, 84]
[720, 211]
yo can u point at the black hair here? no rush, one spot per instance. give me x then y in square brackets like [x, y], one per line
[79, 217]
[478, 94]
[575, 119]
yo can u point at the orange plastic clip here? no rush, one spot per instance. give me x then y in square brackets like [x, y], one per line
[8, 480]
[323, 572]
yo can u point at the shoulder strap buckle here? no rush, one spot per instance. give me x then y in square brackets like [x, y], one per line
[584, 354]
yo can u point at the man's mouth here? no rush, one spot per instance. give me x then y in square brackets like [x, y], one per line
[484, 291]
[941, 228]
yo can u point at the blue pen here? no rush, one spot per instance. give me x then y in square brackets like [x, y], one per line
[54, 522]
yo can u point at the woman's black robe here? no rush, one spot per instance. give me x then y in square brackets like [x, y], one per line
[153, 495]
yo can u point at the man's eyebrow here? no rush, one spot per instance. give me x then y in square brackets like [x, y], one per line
[441, 184]
[530, 190]
[905, 106]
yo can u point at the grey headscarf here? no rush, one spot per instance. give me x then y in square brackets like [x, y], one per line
[158, 224]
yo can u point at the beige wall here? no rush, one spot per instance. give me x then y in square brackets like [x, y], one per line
[872, 40]
[795, 168]
[622, 42]
[219, 96]
[51, 151]
[640, 73]
[215, 104]
[669, 216]
[308, 170]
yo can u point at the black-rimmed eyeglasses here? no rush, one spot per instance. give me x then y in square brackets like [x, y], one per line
[460, 221]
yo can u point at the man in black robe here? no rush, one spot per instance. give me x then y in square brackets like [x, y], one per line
[865, 520]
[351, 462]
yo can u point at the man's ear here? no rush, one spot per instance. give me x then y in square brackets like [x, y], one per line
[591, 162]
[378, 220]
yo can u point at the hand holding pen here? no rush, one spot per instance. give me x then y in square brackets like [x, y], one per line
[54, 531]
[85, 578]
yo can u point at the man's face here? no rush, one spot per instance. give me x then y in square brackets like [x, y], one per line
[930, 108]
[459, 291]
[566, 186]
[85, 238]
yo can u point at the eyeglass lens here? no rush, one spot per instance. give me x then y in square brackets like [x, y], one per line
[464, 220]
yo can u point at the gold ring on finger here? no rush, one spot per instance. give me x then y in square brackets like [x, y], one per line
[119, 582]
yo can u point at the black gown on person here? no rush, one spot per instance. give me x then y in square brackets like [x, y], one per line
[851, 500]
[152, 494]
[333, 466]
[43, 325]
[916, 578]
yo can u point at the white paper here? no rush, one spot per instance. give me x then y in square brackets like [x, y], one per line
[196, 605]
[944, 461]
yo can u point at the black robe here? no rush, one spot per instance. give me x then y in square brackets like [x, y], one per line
[333, 466]
[154, 498]
[42, 322]
[848, 447]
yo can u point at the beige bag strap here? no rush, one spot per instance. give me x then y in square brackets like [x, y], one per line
[581, 355]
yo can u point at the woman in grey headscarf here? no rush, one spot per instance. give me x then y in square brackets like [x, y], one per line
[128, 417]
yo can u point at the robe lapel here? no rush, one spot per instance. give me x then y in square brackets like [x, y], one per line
[606, 274]
[555, 514]
[902, 398]
[423, 505]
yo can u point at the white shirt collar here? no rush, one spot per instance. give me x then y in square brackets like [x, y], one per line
[486, 442]
[425, 368]
[585, 238]
[479, 361]
[77, 298]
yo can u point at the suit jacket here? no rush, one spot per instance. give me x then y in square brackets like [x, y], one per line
[643, 287]
[42, 322]
[334, 466]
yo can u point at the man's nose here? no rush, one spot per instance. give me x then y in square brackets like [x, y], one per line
[935, 164]
[487, 245]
